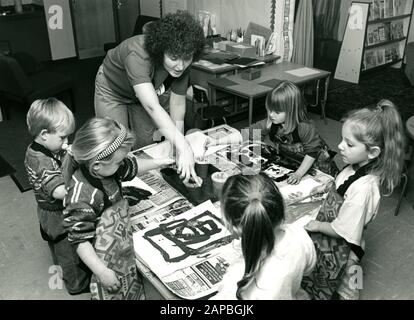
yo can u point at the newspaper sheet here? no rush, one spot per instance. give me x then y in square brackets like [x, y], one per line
[190, 252]
[161, 196]
[197, 140]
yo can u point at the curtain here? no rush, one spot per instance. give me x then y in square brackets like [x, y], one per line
[303, 34]
[326, 13]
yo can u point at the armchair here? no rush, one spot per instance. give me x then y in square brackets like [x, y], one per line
[26, 81]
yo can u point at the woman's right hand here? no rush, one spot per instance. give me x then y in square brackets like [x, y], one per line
[109, 280]
[185, 163]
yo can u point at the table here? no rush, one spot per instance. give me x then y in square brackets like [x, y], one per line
[271, 75]
[293, 213]
[203, 71]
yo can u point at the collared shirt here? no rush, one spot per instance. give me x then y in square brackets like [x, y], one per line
[88, 197]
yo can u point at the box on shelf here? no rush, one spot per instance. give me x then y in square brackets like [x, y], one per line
[244, 50]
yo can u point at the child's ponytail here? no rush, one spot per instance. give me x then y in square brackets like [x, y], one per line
[391, 161]
[255, 246]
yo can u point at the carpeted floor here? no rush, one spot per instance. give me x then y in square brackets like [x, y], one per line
[5, 168]
[387, 83]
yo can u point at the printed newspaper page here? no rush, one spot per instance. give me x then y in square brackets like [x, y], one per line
[190, 252]
[163, 202]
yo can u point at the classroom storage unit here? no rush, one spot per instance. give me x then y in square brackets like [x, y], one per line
[375, 36]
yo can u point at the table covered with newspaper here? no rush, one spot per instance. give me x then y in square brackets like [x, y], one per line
[184, 250]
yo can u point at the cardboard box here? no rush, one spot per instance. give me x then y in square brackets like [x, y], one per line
[251, 74]
[244, 50]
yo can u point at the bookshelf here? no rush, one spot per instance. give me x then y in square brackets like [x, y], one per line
[387, 33]
[384, 35]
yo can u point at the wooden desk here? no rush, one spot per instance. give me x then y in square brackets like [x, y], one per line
[271, 75]
[203, 71]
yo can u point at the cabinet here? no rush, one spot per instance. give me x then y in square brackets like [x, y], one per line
[94, 26]
[375, 36]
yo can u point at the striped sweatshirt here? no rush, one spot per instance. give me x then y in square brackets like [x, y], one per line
[88, 197]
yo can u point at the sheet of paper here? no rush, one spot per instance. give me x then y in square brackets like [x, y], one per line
[159, 150]
[210, 65]
[137, 182]
[302, 72]
[291, 192]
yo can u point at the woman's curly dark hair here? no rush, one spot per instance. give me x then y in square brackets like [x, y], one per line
[177, 34]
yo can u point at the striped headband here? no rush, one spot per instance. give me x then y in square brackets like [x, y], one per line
[114, 145]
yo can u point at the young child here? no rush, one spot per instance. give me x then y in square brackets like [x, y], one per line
[288, 129]
[275, 256]
[93, 174]
[373, 147]
[50, 123]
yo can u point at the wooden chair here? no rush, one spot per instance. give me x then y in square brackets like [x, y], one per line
[26, 81]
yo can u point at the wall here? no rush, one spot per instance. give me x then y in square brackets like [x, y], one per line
[4, 3]
[242, 11]
[150, 8]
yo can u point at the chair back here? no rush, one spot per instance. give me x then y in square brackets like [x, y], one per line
[142, 21]
[200, 95]
[13, 81]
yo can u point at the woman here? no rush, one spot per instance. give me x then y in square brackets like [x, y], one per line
[137, 77]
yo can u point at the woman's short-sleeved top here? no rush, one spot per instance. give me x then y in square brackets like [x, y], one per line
[129, 64]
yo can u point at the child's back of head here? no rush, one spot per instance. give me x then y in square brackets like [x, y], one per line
[253, 208]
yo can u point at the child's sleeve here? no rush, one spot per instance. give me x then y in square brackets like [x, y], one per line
[358, 209]
[128, 169]
[228, 286]
[81, 213]
[50, 175]
[310, 139]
